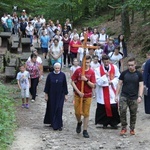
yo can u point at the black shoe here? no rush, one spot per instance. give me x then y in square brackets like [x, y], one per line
[78, 129]
[85, 134]
[114, 127]
[60, 129]
[104, 126]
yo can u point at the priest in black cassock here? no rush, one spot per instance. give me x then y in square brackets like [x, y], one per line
[146, 77]
[55, 94]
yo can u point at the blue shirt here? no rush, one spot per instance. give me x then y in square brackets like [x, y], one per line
[44, 41]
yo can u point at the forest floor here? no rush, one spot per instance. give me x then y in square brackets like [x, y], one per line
[32, 134]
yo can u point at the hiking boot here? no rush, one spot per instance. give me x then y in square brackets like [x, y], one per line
[132, 132]
[85, 134]
[78, 129]
[123, 131]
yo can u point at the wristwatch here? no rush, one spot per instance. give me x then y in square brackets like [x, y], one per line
[141, 97]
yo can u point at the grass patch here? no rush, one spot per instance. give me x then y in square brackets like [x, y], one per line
[7, 117]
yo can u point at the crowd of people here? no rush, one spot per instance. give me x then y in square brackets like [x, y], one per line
[104, 77]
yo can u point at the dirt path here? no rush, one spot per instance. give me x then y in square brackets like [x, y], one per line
[33, 135]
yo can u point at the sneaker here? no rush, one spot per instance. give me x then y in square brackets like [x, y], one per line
[27, 106]
[123, 131]
[85, 134]
[78, 129]
[23, 105]
[132, 132]
[32, 100]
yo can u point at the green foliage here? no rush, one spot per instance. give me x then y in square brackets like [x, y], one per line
[7, 117]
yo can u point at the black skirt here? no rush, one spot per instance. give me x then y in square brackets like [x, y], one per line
[102, 118]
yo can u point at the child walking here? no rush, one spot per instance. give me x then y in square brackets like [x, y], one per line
[74, 66]
[23, 80]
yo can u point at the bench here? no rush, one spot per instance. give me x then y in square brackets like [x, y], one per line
[10, 72]
[4, 37]
[25, 42]
[24, 56]
[45, 63]
[15, 38]
[14, 48]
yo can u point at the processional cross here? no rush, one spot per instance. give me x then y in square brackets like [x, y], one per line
[84, 46]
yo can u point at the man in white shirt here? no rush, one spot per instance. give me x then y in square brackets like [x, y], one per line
[3, 21]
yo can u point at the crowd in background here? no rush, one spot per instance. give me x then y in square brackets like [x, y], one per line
[59, 40]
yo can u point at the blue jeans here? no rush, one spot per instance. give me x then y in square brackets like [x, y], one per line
[31, 38]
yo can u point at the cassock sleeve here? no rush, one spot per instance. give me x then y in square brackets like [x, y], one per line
[101, 80]
[47, 84]
[116, 76]
[65, 87]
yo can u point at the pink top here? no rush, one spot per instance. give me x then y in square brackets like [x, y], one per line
[33, 69]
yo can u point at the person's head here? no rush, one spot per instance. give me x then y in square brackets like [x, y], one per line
[23, 20]
[111, 41]
[74, 30]
[22, 67]
[87, 61]
[56, 41]
[29, 24]
[103, 30]
[121, 37]
[95, 59]
[131, 64]
[57, 21]
[95, 31]
[89, 29]
[117, 50]
[105, 59]
[75, 37]
[75, 62]
[88, 41]
[91, 51]
[8, 16]
[67, 20]
[35, 52]
[57, 67]
[65, 35]
[33, 57]
[65, 26]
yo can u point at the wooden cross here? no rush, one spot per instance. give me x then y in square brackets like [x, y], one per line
[84, 46]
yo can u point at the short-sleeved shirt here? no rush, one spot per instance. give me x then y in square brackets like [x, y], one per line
[44, 41]
[23, 78]
[130, 86]
[90, 75]
[34, 69]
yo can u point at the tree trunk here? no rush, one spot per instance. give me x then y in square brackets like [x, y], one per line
[145, 14]
[132, 17]
[125, 22]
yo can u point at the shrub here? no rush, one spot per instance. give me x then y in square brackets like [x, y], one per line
[7, 117]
